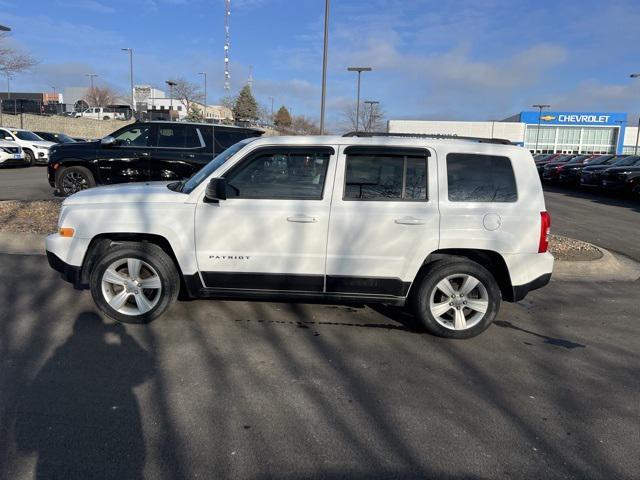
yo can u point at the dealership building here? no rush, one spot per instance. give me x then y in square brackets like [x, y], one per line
[549, 132]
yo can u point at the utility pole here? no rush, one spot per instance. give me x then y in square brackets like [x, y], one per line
[271, 98]
[539, 107]
[133, 101]
[171, 85]
[359, 70]
[91, 76]
[324, 66]
[227, 44]
[205, 94]
[635, 151]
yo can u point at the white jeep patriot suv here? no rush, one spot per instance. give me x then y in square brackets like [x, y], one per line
[447, 227]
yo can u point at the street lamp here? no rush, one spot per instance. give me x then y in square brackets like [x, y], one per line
[324, 67]
[171, 85]
[130, 50]
[359, 70]
[539, 107]
[371, 103]
[205, 94]
[635, 151]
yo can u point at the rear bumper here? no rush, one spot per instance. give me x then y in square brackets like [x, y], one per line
[521, 291]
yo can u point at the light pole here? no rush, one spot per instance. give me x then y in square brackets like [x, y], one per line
[539, 107]
[635, 150]
[133, 102]
[171, 85]
[324, 67]
[205, 94]
[359, 70]
[371, 103]
[271, 98]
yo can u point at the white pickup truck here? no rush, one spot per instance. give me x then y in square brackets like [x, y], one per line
[101, 113]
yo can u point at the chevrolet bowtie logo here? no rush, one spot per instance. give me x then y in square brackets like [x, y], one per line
[548, 118]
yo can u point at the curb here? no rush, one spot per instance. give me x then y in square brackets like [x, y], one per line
[606, 269]
[21, 243]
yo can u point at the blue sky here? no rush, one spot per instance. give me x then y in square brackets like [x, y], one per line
[468, 59]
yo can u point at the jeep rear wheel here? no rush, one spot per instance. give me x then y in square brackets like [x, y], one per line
[71, 180]
[134, 282]
[457, 299]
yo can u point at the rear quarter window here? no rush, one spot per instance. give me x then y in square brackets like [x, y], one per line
[480, 178]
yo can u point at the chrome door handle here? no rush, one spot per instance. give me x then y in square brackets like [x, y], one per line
[302, 219]
[409, 221]
[190, 155]
[143, 154]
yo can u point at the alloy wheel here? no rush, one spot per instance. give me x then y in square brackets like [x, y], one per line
[131, 286]
[459, 302]
[73, 182]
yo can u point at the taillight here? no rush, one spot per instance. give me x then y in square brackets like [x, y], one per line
[545, 230]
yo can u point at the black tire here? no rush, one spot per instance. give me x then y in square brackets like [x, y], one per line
[74, 179]
[152, 255]
[421, 297]
[31, 159]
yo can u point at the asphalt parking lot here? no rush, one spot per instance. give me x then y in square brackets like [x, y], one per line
[263, 390]
[266, 390]
[25, 183]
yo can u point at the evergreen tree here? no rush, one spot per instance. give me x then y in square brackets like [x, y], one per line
[283, 118]
[246, 107]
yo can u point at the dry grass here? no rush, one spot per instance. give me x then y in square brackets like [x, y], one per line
[37, 217]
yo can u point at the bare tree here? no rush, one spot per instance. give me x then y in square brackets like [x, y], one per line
[300, 125]
[101, 96]
[371, 118]
[187, 93]
[13, 61]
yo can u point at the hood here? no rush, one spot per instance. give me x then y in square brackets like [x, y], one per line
[41, 143]
[630, 168]
[60, 146]
[147, 192]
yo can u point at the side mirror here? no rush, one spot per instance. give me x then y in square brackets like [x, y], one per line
[8, 138]
[216, 190]
[108, 141]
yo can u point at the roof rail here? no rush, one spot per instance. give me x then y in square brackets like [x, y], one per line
[499, 141]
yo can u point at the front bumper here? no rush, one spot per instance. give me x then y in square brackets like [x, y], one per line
[614, 185]
[66, 255]
[14, 162]
[70, 273]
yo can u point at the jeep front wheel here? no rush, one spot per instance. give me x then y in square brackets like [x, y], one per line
[457, 299]
[71, 180]
[134, 282]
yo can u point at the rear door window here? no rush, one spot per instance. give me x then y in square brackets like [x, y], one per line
[480, 178]
[385, 174]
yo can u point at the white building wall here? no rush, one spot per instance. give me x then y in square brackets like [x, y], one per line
[511, 131]
[630, 135]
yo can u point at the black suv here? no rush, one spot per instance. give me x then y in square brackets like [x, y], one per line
[140, 152]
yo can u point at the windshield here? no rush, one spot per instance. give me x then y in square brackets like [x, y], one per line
[625, 162]
[213, 165]
[26, 135]
[62, 138]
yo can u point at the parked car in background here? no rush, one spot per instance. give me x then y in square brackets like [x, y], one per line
[11, 155]
[101, 113]
[390, 220]
[55, 137]
[141, 152]
[551, 171]
[591, 175]
[622, 179]
[570, 174]
[556, 159]
[36, 149]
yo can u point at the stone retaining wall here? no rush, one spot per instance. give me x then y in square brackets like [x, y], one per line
[74, 127]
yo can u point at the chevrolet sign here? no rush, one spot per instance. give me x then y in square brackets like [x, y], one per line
[574, 118]
[583, 118]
